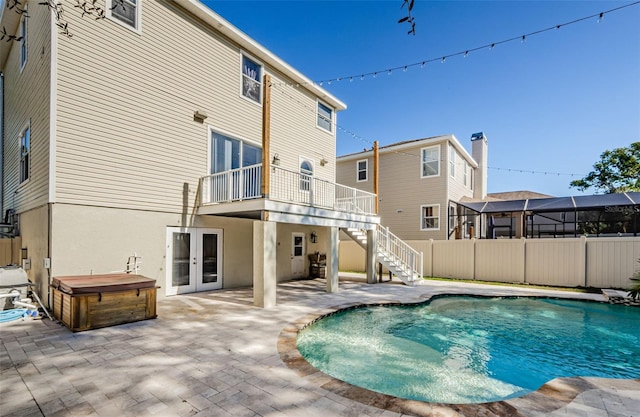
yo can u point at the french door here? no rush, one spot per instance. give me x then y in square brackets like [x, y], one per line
[194, 259]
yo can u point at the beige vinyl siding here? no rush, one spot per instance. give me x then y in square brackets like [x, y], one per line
[26, 100]
[403, 192]
[347, 173]
[294, 133]
[126, 134]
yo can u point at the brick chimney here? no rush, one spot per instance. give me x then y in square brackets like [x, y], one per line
[479, 146]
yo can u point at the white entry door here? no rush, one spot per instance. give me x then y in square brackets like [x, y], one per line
[297, 254]
[194, 259]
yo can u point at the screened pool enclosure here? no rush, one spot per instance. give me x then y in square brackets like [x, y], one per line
[606, 215]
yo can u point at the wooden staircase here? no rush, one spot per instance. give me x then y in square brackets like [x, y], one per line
[397, 256]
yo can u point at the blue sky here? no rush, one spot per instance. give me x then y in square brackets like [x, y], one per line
[551, 104]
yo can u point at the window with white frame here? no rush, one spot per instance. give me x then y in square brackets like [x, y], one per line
[430, 161]
[362, 168]
[23, 40]
[125, 12]
[306, 175]
[25, 151]
[251, 79]
[325, 117]
[452, 161]
[430, 219]
[465, 174]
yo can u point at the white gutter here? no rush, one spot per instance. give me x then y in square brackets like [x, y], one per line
[254, 48]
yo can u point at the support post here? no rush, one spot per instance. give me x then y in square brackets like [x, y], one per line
[372, 256]
[376, 163]
[264, 264]
[266, 137]
[332, 260]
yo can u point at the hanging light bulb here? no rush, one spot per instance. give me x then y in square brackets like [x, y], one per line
[375, 74]
[338, 79]
[493, 45]
[524, 39]
[329, 82]
[466, 54]
[350, 79]
[444, 58]
[423, 64]
[361, 77]
[389, 72]
[600, 17]
[404, 69]
[320, 83]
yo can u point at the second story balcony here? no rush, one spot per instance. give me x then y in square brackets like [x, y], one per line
[292, 197]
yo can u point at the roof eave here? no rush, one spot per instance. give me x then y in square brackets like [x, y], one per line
[236, 35]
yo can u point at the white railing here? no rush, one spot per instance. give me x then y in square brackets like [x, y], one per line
[233, 185]
[286, 186]
[392, 246]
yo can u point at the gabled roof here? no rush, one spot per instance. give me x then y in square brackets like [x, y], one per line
[10, 20]
[413, 143]
[248, 44]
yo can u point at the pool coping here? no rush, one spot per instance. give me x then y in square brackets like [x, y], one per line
[551, 396]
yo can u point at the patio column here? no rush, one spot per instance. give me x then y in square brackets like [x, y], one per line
[372, 256]
[332, 260]
[264, 264]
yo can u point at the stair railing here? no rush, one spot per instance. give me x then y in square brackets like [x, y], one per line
[394, 247]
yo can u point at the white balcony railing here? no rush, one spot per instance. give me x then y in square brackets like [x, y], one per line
[286, 186]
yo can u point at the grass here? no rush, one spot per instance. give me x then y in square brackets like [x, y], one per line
[516, 284]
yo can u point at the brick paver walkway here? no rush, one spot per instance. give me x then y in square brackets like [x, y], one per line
[214, 354]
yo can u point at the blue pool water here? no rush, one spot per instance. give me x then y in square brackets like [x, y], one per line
[459, 349]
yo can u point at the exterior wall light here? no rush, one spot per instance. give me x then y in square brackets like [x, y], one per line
[314, 237]
[276, 160]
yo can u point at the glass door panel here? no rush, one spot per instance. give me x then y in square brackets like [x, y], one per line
[181, 259]
[209, 250]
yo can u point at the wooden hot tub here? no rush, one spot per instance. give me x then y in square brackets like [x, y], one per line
[85, 302]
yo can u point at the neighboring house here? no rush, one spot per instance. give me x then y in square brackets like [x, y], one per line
[420, 182]
[152, 132]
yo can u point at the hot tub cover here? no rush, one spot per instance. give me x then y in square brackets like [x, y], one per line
[86, 284]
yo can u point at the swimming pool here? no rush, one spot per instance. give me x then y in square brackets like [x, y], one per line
[461, 349]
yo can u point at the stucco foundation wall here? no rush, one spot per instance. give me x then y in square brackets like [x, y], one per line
[34, 232]
[285, 250]
[97, 240]
[351, 257]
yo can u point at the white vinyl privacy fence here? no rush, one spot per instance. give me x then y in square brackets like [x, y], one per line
[574, 262]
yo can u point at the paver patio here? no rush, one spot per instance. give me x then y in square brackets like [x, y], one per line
[214, 354]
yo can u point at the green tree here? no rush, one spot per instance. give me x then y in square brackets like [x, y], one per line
[617, 171]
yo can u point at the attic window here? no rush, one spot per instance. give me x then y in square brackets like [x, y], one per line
[325, 117]
[125, 12]
[251, 79]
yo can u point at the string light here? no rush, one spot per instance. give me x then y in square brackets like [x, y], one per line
[414, 156]
[522, 38]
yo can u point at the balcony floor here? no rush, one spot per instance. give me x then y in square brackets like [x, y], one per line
[290, 213]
